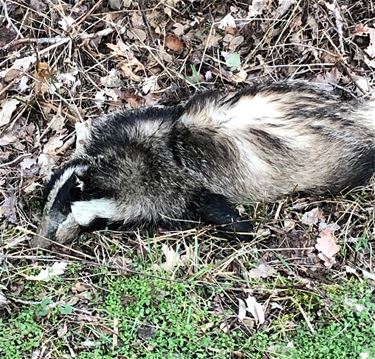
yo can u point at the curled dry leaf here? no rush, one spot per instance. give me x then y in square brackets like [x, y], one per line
[327, 247]
[20, 64]
[150, 84]
[313, 217]
[253, 307]
[179, 29]
[130, 68]
[7, 109]
[66, 22]
[241, 309]
[174, 43]
[256, 309]
[57, 269]
[172, 259]
[227, 21]
[43, 71]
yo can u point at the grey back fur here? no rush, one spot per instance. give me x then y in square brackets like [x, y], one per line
[152, 167]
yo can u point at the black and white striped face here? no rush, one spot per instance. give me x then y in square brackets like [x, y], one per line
[70, 208]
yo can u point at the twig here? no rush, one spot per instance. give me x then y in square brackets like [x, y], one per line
[38, 41]
[14, 161]
[10, 22]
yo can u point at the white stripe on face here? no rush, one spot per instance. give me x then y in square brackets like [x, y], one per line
[84, 212]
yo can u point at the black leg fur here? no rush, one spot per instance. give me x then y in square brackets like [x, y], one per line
[216, 209]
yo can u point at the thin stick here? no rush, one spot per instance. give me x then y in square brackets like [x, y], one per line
[10, 22]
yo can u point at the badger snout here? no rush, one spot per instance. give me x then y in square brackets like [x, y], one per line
[55, 229]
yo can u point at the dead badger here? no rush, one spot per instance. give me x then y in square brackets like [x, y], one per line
[159, 167]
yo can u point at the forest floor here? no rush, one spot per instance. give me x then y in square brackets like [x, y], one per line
[302, 287]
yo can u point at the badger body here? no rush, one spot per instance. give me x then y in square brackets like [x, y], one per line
[163, 166]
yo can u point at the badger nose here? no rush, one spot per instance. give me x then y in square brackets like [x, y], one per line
[40, 239]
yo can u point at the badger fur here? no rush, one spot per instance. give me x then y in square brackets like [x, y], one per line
[159, 167]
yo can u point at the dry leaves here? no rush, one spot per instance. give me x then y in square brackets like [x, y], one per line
[7, 109]
[9, 207]
[361, 30]
[327, 247]
[174, 43]
[45, 275]
[262, 271]
[313, 217]
[253, 307]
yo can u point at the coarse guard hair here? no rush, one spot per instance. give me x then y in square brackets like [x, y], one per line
[162, 167]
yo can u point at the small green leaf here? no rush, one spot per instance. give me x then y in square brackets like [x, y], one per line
[43, 307]
[66, 309]
[233, 61]
[195, 77]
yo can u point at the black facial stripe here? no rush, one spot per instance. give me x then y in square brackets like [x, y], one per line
[57, 175]
[68, 192]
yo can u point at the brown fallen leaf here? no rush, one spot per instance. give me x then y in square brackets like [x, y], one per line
[130, 68]
[132, 99]
[313, 217]
[11, 75]
[174, 43]
[327, 247]
[43, 70]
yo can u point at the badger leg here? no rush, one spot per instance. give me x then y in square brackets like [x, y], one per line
[216, 209]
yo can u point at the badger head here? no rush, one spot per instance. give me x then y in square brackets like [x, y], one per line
[71, 206]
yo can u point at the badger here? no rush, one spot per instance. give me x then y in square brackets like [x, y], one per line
[164, 167]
